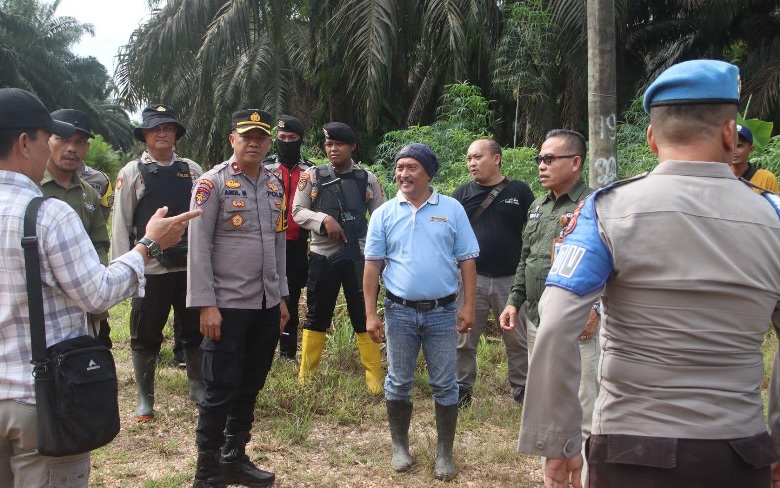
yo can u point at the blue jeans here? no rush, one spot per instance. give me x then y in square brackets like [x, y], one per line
[406, 330]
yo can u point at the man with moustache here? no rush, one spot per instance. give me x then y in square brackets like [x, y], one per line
[420, 235]
[324, 198]
[158, 177]
[288, 165]
[497, 208]
[73, 281]
[61, 181]
[237, 282]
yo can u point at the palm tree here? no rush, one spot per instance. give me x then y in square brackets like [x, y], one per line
[35, 54]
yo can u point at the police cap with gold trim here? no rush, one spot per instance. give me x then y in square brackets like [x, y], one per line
[699, 82]
[251, 118]
[339, 131]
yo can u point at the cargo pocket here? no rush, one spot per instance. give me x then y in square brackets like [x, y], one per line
[757, 451]
[219, 362]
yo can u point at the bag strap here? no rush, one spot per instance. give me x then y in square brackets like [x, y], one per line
[489, 199]
[32, 265]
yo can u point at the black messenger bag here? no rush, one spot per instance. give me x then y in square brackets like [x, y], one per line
[76, 392]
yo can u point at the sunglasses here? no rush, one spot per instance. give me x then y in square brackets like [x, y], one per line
[549, 158]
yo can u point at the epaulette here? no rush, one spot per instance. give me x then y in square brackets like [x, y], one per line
[268, 160]
[306, 162]
[619, 183]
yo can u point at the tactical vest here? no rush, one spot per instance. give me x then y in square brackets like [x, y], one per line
[163, 185]
[353, 187]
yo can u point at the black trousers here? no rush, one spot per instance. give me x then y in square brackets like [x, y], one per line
[234, 370]
[297, 273]
[322, 290]
[148, 315]
[618, 461]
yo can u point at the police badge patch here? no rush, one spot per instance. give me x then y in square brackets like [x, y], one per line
[237, 220]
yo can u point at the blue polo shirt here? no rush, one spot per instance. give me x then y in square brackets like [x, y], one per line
[420, 246]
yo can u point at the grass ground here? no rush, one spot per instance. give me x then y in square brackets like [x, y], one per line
[328, 433]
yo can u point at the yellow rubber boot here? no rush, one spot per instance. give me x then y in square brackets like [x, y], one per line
[372, 361]
[312, 344]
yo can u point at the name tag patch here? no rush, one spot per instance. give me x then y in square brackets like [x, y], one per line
[567, 260]
[439, 219]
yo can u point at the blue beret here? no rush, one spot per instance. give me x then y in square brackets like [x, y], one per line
[743, 131]
[421, 153]
[339, 131]
[694, 82]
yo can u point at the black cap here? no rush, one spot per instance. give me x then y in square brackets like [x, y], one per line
[21, 110]
[251, 118]
[290, 124]
[76, 118]
[339, 131]
[155, 115]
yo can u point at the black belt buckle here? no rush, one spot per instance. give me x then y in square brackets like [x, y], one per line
[426, 305]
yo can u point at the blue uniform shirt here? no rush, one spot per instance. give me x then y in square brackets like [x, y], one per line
[421, 245]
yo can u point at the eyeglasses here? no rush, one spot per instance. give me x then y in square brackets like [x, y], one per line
[550, 158]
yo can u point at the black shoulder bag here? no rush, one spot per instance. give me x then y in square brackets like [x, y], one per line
[76, 392]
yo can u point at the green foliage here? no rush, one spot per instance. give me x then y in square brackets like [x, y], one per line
[634, 155]
[761, 130]
[769, 158]
[103, 157]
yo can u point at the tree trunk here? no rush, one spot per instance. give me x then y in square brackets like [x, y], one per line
[602, 99]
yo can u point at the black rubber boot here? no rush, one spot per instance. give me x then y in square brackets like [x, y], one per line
[446, 421]
[144, 364]
[464, 399]
[193, 357]
[237, 469]
[399, 415]
[208, 473]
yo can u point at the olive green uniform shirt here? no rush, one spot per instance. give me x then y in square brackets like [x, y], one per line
[85, 201]
[543, 225]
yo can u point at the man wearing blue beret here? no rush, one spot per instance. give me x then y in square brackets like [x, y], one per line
[685, 310]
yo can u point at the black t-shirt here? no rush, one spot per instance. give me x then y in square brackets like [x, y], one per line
[499, 229]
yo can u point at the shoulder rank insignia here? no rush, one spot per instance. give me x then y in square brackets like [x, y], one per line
[161, 109]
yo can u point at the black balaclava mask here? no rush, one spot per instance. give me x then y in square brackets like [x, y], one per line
[289, 153]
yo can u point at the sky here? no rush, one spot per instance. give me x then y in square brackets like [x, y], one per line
[114, 21]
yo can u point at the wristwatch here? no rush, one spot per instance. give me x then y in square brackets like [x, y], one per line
[597, 307]
[152, 247]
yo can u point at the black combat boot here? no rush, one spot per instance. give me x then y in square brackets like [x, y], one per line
[208, 473]
[237, 469]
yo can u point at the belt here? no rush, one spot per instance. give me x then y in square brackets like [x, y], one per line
[422, 305]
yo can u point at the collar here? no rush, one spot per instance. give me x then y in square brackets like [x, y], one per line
[353, 166]
[693, 168]
[47, 177]
[576, 193]
[147, 158]
[235, 169]
[433, 199]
